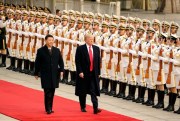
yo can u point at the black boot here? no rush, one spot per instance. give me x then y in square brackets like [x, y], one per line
[133, 92]
[120, 89]
[129, 93]
[160, 103]
[177, 111]
[26, 67]
[3, 64]
[114, 85]
[65, 76]
[111, 87]
[139, 93]
[142, 93]
[19, 66]
[71, 81]
[103, 85]
[12, 63]
[106, 85]
[123, 90]
[151, 102]
[172, 100]
[74, 78]
[31, 71]
[149, 97]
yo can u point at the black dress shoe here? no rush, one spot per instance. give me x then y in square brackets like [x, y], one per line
[49, 111]
[2, 65]
[83, 110]
[96, 111]
[178, 111]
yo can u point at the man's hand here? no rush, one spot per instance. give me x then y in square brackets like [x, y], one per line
[81, 75]
[36, 77]
[61, 74]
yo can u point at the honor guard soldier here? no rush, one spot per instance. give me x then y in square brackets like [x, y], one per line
[65, 12]
[146, 23]
[32, 47]
[10, 25]
[147, 65]
[103, 40]
[39, 18]
[174, 28]
[71, 13]
[56, 32]
[13, 7]
[96, 32]
[170, 82]
[137, 22]
[165, 27]
[91, 16]
[99, 17]
[156, 26]
[18, 41]
[115, 19]
[137, 65]
[24, 38]
[50, 26]
[158, 71]
[128, 62]
[107, 18]
[71, 35]
[119, 74]
[111, 58]
[1, 8]
[3, 46]
[64, 46]
[47, 10]
[44, 26]
[176, 62]
[123, 20]
[84, 15]
[77, 15]
[87, 29]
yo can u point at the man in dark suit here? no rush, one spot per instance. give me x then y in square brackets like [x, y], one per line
[50, 64]
[88, 70]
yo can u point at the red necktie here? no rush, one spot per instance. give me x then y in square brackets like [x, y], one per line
[91, 58]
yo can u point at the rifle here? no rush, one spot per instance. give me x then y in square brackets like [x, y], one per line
[21, 46]
[102, 52]
[168, 81]
[56, 42]
[29, 41]
[139, 61]
[159, 78]
[62, 43]
[35, 40]
[70, 48]
[149, 63]
[119, 58]
[16, 39]
[42, 32]
[10, 36]
[129, 68]
[111, 55]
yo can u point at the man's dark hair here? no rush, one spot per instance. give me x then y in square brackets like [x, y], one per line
[47, 36]
[57, 11]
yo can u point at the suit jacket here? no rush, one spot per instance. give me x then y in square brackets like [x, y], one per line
[49, 66]
[83, 66]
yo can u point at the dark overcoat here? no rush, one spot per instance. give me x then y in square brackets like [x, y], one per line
[49, 66]
[83, 66]
[3, 38]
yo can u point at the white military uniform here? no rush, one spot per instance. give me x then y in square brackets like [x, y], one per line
[176, 70]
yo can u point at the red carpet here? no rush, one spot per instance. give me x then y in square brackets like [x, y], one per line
[27, 104]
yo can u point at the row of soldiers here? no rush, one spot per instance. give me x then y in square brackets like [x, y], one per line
[134, 52]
